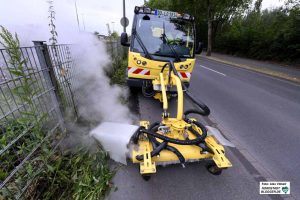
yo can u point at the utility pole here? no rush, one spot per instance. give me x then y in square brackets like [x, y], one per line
[82, 15]
[124, 15]
[77, 16]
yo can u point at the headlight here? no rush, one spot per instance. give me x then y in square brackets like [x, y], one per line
[136, 10]
[186, 16]
[147, 10]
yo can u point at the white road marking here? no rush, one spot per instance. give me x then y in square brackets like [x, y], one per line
[212, 70]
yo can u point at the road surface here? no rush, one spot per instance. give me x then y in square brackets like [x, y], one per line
[261, 115]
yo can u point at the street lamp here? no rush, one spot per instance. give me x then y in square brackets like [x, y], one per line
[113, 26]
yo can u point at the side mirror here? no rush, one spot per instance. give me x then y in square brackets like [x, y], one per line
[199, 49]
[124, 40]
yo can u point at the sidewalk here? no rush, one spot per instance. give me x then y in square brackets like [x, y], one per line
[277, 70]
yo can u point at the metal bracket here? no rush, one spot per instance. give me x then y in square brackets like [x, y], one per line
[145, 124]
[147, 166]
[219, 154]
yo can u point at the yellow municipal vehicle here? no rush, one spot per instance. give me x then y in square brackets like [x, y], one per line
[162, 48]
[153, 32]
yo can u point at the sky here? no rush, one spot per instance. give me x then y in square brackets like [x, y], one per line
[271, 3]
[30, 17]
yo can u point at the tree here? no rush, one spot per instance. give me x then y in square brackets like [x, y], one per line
[214, 12]
[218, 12]
[267, 35]
[114, 35]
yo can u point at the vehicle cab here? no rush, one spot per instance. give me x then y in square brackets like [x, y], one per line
[157, 37]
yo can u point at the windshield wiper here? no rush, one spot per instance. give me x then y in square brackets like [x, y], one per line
[165, 39]
[162, 55]
[142, 45]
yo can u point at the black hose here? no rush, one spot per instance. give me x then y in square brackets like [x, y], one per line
[195, 133]
[162, 146]
[135, 137]
[153, 125]
[192, 111]
[171, 140]
[205, 111]
[157, 146]
[201, 126]
[204, 147]
[163, 68]
[155, 151]
[177, 153]
[149, 132]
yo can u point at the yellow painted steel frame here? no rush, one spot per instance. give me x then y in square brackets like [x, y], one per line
[179, 130]
[163, 91]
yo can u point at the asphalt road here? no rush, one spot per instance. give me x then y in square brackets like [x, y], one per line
[261, 114]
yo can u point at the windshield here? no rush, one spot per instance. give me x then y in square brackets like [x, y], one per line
[178, 34]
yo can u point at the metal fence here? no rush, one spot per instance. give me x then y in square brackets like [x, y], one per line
[115, 49]
[36, 90]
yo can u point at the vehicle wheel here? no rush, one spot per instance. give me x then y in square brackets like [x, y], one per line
[213, 169]
[148, 91]
[146, 177]
[133, 90]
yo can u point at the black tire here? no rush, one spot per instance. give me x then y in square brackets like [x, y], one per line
[213, 169]
[133, 90]
[146, 177]
[148, 92]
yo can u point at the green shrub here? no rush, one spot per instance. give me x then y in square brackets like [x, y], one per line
[49, 173]
[78, 174]
[267, 35]
[119, 71]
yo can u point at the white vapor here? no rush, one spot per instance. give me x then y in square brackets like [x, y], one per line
[17, 15]
[98, 100]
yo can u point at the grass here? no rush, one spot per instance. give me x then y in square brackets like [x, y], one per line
[117, 72]
[50, 173]
[119, 75]
[23, 91]
[75, 174]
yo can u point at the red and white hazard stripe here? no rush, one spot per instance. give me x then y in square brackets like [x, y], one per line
[133, 70]
[184, 75]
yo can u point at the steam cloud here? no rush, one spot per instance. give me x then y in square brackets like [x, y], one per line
[98, 100]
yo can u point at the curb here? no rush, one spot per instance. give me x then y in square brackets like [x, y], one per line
[256, 69]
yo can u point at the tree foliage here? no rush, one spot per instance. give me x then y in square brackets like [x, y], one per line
[114, 35]
[269, 35]
[209, 14]
[238, 29]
